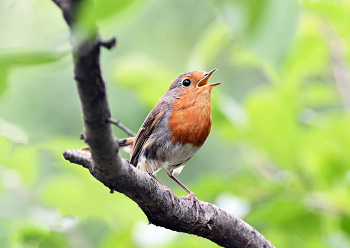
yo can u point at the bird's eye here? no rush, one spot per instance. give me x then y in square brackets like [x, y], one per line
[186, 82]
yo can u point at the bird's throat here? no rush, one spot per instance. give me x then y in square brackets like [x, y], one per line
[190, 119]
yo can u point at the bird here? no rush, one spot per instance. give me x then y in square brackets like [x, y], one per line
[175, 129]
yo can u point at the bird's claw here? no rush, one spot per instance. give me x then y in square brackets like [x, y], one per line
[195, 202]
[172, 195]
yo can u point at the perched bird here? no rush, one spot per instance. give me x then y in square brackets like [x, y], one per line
[175, 129]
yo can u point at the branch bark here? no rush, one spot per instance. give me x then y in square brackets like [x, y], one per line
[106, 165]
[216, 224]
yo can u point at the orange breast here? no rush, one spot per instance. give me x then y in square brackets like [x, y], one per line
[190, 119]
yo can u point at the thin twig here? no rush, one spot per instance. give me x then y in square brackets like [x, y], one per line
[108, 43]
[122, 127]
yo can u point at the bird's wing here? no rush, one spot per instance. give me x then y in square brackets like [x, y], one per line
[146, 130]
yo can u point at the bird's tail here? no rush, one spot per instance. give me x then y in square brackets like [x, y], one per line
[126, 145]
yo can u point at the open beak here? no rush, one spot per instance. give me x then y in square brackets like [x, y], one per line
[204, 81]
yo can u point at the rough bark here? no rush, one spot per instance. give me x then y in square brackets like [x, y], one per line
[216, 224]
[106, 165]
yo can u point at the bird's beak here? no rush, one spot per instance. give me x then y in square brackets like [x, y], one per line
[204, 81]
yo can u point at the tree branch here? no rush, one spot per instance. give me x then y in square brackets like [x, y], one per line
[216, 224]
[106, 165]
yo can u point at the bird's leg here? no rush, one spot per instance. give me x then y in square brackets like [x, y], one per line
[166, 188]
[191, 195]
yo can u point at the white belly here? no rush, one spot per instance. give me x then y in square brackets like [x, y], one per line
[172, 158]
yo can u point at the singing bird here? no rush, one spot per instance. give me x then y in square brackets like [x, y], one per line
[175, 129]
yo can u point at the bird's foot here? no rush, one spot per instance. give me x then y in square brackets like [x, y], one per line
[195, 202]
[172, 195]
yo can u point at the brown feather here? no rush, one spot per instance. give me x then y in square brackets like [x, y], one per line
[190, 119]
[146, 129]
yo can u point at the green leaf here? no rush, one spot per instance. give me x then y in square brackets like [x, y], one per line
[3, 79]
[242, 15]
[64, 192]
[54, 240]
[273, 127]
[6, 147]
[19, 57]
[75, 196]
[28, 235]
[90, 12]
[246, 58]
[318, 94]
[345, 224]
[27, 57]
[308, 56]
[25, 160]
[150, 79]
[336, 12]
[227, 115]
[118, 239]
[275, 29]
[326, 152]
[94, 230]
[4, 234]
[12, 132]
[109, 8]
[58, 144]
[289, 216]
[264, 25]
[213, 40]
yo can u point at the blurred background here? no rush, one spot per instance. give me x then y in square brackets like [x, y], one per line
[278, 155]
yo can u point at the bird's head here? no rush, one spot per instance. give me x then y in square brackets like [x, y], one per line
[193, 81]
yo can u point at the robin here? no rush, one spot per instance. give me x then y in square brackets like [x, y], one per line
[175, 129]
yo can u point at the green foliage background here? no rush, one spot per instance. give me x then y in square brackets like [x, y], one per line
[279, 151]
